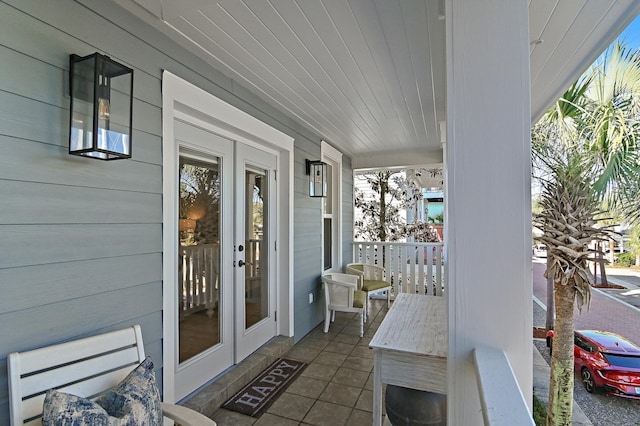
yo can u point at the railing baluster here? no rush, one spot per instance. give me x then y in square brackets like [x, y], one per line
[429, 280]
[385, 261]
[421, 276]
[413, 267]
[405, 268]
[439, 269]
[198, 278]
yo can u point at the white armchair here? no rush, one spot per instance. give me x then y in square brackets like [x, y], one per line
[341, 294]
[371, 280]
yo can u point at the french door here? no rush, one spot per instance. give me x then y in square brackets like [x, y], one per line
[255, 249]
[226, 256]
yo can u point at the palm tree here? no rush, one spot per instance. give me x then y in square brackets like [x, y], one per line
[610, 126]
[558, 131]
[585, 153]
[568, 219]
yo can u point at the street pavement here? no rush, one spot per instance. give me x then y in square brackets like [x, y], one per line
[615, 310]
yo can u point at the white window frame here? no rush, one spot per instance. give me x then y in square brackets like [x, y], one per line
[333, 157]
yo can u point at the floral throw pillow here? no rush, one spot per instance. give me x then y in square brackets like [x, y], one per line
[134, 401]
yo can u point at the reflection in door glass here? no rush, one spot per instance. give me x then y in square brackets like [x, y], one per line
[198, 257]
[256, 281]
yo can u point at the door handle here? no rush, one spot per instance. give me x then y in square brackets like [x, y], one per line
[241, 263]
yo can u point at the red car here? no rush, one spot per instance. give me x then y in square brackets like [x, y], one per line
[606, 361]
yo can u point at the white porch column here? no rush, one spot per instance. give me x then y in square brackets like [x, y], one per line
[488, 194]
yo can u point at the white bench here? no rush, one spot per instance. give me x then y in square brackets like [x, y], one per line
[84, 367]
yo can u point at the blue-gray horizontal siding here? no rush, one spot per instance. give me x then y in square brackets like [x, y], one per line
[80, 239]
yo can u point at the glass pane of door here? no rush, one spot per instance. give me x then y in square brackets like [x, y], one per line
[256, 258]
[198, 256]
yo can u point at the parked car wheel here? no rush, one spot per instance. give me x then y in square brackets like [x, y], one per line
[587, 379]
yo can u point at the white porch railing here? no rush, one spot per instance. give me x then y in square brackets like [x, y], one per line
[409, 267]
[198, 275]
[503, 403]
[252, 258]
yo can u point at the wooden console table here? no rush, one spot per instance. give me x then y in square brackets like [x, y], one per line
[410, 347]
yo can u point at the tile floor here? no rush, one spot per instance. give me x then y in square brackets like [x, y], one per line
[336, 388]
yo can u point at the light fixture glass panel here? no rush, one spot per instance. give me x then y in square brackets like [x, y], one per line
[101, 107]
[317, 179]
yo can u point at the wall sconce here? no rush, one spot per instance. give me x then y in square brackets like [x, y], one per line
[101, 93]
[317, 171]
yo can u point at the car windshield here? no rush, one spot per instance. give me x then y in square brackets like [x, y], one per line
[623, 360]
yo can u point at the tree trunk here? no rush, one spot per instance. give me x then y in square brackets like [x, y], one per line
[612, 257]
[560, 411]
[551, 309]
[382, 233]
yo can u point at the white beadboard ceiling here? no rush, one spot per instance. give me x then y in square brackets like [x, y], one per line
[369, 76]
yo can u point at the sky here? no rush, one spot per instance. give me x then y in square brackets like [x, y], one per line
[632, 34]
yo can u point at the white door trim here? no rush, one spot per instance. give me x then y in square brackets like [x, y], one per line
[334, 157]
[193, 105]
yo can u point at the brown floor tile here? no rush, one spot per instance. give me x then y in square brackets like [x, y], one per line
[350, 377]
[365, 402]
[360, 418]
[226, 417]
[270, 420]
[320, 371]
[352, 330]
[341, 348]
[359, 363]
[368, 334]
[362, 352]
[291, 406]
[319, 333]
[312, 344]
[345, 319]
[327, 414]
[340, 394]
[336, 388]
[369, 384]
[303, 354]
[307, 386]
[330, 358]
[364, 342]
[346, 338]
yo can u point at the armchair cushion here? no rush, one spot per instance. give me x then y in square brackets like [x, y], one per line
[373, 285]
[134, 401]
[359, 299]
[357, 266]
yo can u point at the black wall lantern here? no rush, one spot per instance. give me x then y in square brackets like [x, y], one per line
[317, 171]
[101, 107]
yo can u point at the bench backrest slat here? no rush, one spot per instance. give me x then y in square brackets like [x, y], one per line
[83, 367]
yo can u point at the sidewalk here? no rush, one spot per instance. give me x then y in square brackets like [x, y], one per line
[628, 278]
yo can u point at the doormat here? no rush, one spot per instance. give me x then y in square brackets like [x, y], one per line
[253, 399]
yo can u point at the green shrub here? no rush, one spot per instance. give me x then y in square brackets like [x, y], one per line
[539, 412]
[625, 259]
